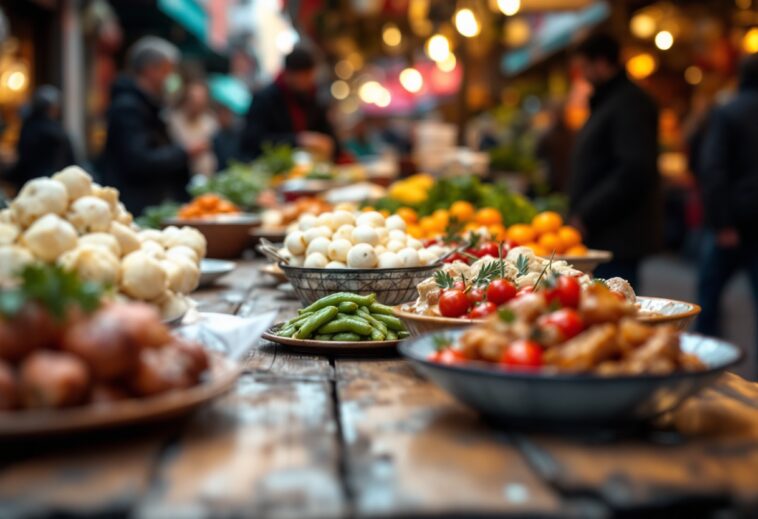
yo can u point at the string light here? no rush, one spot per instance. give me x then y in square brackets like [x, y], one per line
[466, 23]
[642, 25]
[344, 69]
[750, 41]
[411, 80]
[438, 48]
[641, 66]
[693, 75]
[664, 40]
[509, 7]
[340, 90]
[391, 35]
[447, 64]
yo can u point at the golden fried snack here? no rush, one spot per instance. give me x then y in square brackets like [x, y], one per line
[31, 329]
[196, 356]
[8, 387]
[586, 350]
[51, 379]
[161, 370]
[600, 305]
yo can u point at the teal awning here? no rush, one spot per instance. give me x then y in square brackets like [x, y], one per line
[230, 92]
[189, 14]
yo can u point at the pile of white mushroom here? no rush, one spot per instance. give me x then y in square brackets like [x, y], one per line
[70, 220]
[343, 239]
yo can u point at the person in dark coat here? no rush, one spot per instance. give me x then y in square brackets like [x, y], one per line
[43, 145]
[615, 185]
[140, 158]
[729, 185]
[288, 112]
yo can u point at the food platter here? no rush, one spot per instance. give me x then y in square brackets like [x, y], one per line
[220, 378]
[329, 347]
[212, 270]
[560, 399]
[227, 235]
[588, 262]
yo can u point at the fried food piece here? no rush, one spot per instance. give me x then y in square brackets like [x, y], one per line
[528, 307]
[33, 328]
[51, 379]
[632, 334]
[164, 369]
[197, 358]
[600, 305]
[585, 351]
[658, 355]
[104, 394]
[8, 387]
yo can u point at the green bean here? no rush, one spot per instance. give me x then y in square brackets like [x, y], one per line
[403, 335]
[286, 331]
[392, 322]
[376, 335]
[346, 337]
[378, 308]
[340, 297]
[345, 324]
[391, 336]
[348, 307]
[299, 319]
[355, 317]
[316, 321]
[363, 312]
[323, 337]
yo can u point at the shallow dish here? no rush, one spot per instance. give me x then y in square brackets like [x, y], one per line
[220, 379]
[328, 347]
[275, 235]
[562, 400]
[227, 235]
[212, 270]
[391, 286]
[588, 262]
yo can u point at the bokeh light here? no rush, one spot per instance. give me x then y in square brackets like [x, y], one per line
[411, 80]
[466, 23]
[664, 40]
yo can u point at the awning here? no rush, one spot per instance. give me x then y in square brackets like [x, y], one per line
[189, 14]
[230, 92]
[555, 32]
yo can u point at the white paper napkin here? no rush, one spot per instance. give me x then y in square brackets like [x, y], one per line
[231, 335]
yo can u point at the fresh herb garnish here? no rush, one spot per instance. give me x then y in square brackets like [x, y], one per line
[506, 315]
[444, 280]
[441, 342]
[544, 271]
[488, 273]
[522, 265]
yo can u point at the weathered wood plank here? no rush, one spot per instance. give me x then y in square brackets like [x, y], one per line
[410, 450]
[269, 450]
[710, 456]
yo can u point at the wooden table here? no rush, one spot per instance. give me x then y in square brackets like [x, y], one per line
[308, 437]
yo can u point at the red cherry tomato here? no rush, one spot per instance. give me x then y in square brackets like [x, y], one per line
[453, 303]
[566, 320]
[501, 291]
[566, 292]
[448, 356]
[430, 241]
[475, 295]
[522, 354]
[482, 310]
[525, 290]
[456, 257]
[489, 248]
[459, 285]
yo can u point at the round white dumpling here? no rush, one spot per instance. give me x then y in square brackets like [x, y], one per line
[49, 237]
[128, 240]
[307, 221]
[8, 233]
[37, 198]
[183, 274]
[389, 260]
[6, 216]
[154, 249]
[395, 222]
[320, 245]
[379, 249]
[338, 249]
[172, 305]
[90, 214]
[78, 183]
[121, 215]
[92, 263]
[315, 261]
[436, 250]
[143, 277]
[345, 232]
[409, 257]
[342, 217]
[370, 218]
[361, 256]
[426, 258]
[382, 233]
[413, 243]
[397, 235]
[336, 265]
[188, 236]
[109, 195]
[13, 259]
[295, 243]
[316, 232]
[395, 245]
[155, 234]
[327, 220]
[102, 239]
[183, 251]
[365, 234]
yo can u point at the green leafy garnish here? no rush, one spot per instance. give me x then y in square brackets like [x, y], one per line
[544, 271]
[600, 281]
[54, 288]
[522, 264]
[441, 342]
[239, 183]
[443, 279]
[506, 315]
[489, 272]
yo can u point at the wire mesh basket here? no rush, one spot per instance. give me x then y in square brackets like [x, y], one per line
[391, 286]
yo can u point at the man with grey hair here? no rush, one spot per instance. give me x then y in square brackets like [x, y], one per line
[140, 158]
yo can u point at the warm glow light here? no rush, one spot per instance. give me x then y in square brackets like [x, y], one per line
[642, 25]
[743, 4]
[370, 91]
[516, 32]
[356, 60]
[693, 75]
[286, 40]
[447, 64]
[411, 80]
[384, 98]
[391, 35]
[438, 48]
[340, 90]
[466, 23]
[509, 7]
[641, 66]
[750, 41]
[16, 81]
[344, 69]
[664, 40]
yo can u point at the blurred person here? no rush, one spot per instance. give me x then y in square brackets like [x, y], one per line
[43, 146]
[288, 112]
[227, 138]
[141, 160]
[193, 123]
[729, 184]
[614, 187]
[554, 147]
